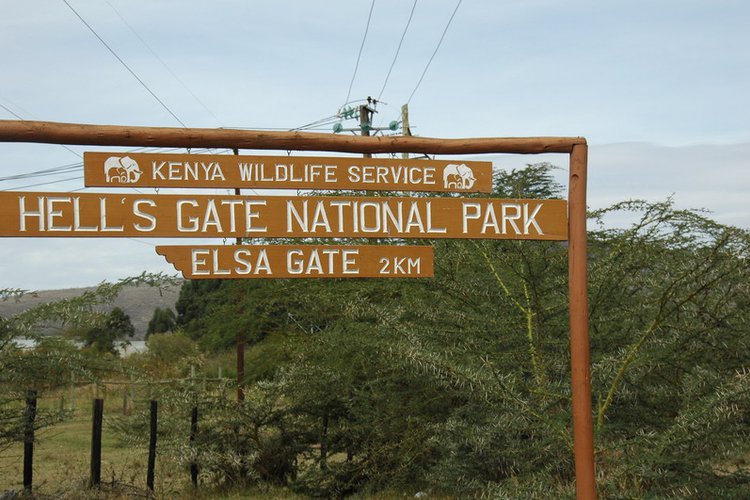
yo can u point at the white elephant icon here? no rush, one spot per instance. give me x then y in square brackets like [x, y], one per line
[458, 177]
[122, 169]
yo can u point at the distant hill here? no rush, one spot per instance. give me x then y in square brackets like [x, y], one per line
[137, 302]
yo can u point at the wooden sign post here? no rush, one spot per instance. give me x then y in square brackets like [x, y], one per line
[40, 214]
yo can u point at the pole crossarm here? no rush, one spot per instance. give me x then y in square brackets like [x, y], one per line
[118, 135]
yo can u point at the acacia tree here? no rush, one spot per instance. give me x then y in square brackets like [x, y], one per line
[670, 326]
[461, 383]
[162, 321]
[108, 333]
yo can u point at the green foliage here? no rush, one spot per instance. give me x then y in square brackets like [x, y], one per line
[194, 302]
[170, 355]
[162, 321]
[106, 334]
[215, 312]
[533, 181]
[236, 444]
[460, 384]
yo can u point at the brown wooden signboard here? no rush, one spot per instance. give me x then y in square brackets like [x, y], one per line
[300, 261]
[126, 215]
[285, 172]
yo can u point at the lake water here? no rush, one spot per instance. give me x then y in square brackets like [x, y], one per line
[135, 345]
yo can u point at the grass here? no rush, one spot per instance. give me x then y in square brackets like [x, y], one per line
[62, 460]
[62, 456]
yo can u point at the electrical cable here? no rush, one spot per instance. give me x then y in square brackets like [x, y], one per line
[393, 63]
[359, 55]
[43, 173]
[325, 120]
[43, 183]
[143, 84]
[174, 75]
[280, 129]
[435, 52]
[6, 108]
[71, 167]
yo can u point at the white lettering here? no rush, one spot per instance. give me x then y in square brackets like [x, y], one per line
[293, 262]
[156, 170]
[431, 229]
[212, 218]
[466, 216]
[103, 217]
[529, 220]
[490, 219]
[233, 204]
[262, 264]
[291, 211]
[251, 214]
[23, 213]
[414, 219]
[506, 217]
[77, 218]
[139, 213]
[320, 218]
[197, 261]
[349, 260]
[238, 258]
[193, 221]
[53, 214]
[218, 271]
[376, 216]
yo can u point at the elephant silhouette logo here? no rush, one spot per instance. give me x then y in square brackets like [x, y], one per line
[123, 170]
[458, 177]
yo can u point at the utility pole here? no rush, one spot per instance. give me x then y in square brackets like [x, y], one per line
[240, 338]
[365, 121]
[405, 130]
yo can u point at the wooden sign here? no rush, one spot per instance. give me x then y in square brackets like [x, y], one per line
[284, 172]
[299, 261]
[202, 216]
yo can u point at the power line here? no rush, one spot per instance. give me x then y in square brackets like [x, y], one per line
[6, 108]
[403, 35]
[284, 129]
[44, 183]
[359, 55]
[72, 167]
[322, 121]
[174, 75]
[41, 173]
[435, 52]
[124, 64]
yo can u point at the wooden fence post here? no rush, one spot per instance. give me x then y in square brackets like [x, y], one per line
[152, 446]
[72, 392]
[131, 388]
[125, 401]
[28, 440]
[96, 443]
[193, 435]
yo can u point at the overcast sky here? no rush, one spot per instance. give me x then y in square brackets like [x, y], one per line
[659, 90]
